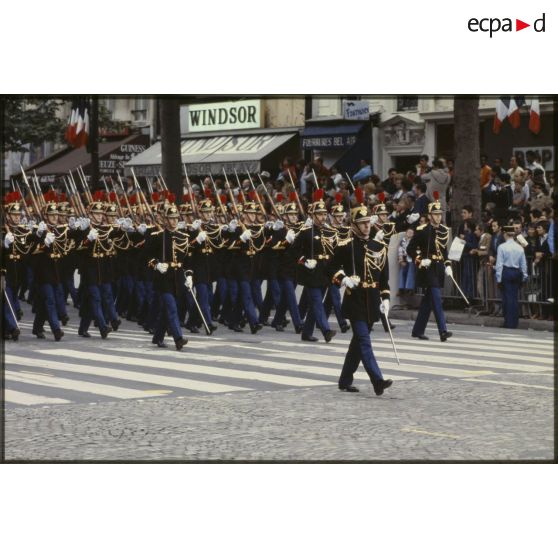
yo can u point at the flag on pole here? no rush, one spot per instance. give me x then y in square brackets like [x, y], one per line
[77, 132]
[535, 116]
[502, 108]
[513, 111]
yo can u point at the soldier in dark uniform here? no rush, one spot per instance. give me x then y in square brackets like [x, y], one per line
[18, 241]
[286, 268]
[167, 251]
[362, 268]
[248, 238]
[333, 297]
[206, 240]
[314, 247]
[97, 273]
[47, 275]
[428, 249]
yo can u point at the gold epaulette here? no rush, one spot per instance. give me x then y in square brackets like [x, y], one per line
[344, 241]
[419, 228]
[157, 232]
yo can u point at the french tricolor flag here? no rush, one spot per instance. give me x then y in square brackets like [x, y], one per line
[535, 116]
[502, 111]
[513, 111]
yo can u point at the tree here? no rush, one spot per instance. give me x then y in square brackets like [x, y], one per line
[170, 144]
[31, 120]
[466, 185]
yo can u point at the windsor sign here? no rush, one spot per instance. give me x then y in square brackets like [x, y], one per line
[224, 116]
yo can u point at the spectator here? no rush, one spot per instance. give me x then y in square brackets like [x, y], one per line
[519, 196]
[482, 232]
[468, 259]
[484, 171]
[501, 195]
[422, 201]
[497, 166]
[533, 163]
[516, 172]
[539, 199]
[406, 265]
[437, 180]
[403, 208]
[389, 183]
[365, 171]
[398, 180]
[422, 167]
[466, 215]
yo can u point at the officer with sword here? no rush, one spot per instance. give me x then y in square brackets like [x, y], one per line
[361, 266]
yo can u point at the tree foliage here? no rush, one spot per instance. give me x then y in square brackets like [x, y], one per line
[31, 120]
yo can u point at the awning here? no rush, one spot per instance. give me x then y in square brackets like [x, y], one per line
[211, 154]
[112, 156]
[329, 136]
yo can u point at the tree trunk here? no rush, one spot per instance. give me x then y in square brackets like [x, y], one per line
[466, 178]
[170, 145]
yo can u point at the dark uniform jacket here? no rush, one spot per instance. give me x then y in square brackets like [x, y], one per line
[430, 243]
[170, 247]
[314, 243]
[371, 265]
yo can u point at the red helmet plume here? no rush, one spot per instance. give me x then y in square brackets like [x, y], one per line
[359, 195]
[381, 197]
[436, 195]
[338, 197]
[292, 196]
[318, 195]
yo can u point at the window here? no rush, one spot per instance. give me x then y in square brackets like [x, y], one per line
[407, 103]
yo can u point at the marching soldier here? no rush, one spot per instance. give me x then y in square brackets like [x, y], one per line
[362, 268]
[287, 267]
[333, 296]
[428, 248]
[17, 244]
[97, 273]
[206, 240]
[314, 247]
[247, 239]
[167, 251]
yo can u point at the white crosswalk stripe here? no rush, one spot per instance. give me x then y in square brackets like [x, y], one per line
[127, 366]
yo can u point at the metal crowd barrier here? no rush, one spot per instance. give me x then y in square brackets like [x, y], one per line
[477, 279]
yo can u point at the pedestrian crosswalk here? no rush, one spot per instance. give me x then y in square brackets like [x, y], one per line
[127, 366]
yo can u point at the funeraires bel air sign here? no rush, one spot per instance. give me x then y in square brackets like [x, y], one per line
[237, 115]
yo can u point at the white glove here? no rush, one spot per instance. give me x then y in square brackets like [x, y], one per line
[247, 234]
[162, 267]
[310, 264]
[268, 224]
[72, 223]
[224, 227]
[189, 282]
[84, 223]
[308, 222]
[412, 218]
[41, 228]
[290, 236]
[128, 223]
[350, 282]
[232, 225]
[8, 239]
[49, 238]
[384, 307]
[31, 223]
[196, 224]
[278, 225]
[379, 236]
[93, 234]
[181, 225]
[142, 228]
[202, 237]
[425, 264]
[120, 221]
[449, 271]
[373, 219]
